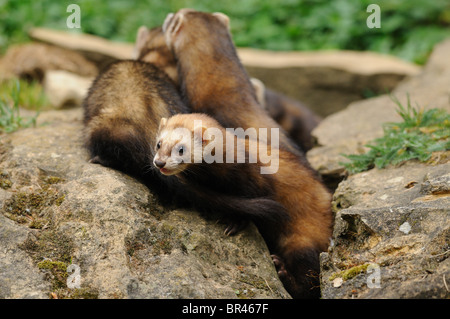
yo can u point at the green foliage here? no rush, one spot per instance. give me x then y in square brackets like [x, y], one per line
[10, 118]
[409, 28]
[31, 95]
[420, 134]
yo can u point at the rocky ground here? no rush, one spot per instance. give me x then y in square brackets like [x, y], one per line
[392, 226]
[71, 229]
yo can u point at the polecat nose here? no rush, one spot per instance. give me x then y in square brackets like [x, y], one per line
[159, 164]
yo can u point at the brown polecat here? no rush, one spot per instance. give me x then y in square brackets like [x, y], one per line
[214, 82]
[295, 118]
[151, 47]
[122, 112]
[183, 145]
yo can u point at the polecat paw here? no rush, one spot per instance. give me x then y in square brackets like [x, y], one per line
[279, 266]
[96, 160]
[235, 227]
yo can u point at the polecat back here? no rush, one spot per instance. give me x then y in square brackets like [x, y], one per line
[297, 119]
[151, 47]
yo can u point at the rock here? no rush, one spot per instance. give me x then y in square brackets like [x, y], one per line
[392, 227]
[33, 60]
[66, 89]
[96, 49]
[349, 130]
[19, 276]
[59, 210]
[324, 81]
[394, 220]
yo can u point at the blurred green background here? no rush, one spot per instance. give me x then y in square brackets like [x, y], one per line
[409, 28]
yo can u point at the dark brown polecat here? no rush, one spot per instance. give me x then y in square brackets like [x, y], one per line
[295, 118]
[183, 145]
[122, 112]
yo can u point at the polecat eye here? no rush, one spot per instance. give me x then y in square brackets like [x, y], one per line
[181, 150]
[158, 146]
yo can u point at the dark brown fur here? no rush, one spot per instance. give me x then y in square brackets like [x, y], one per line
[214, 82]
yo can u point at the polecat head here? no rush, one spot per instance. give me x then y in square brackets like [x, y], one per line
[151, 47]
[180, 142]
[175, 23]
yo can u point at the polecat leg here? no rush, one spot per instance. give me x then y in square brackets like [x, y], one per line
[299, 273]
[96, 160]
[280, 267]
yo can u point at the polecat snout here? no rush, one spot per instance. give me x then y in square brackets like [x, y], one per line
[174, 148]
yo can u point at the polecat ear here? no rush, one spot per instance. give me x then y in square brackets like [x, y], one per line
[223, 18]
[162, 123]
[141, 37]
[259, 90]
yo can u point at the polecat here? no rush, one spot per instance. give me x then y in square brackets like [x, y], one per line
[214, 82]
[295, 118]
[151, 47]
[212, 79]
[122, 112]
[181, 145]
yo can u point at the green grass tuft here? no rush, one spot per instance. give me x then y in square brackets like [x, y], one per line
[10, 118]
[421, 133]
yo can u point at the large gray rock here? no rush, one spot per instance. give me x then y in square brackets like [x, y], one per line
[57, 209]
[398, 221]
[392, 227]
